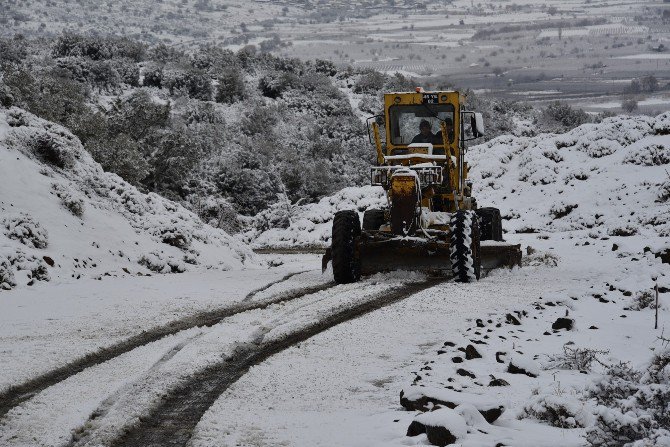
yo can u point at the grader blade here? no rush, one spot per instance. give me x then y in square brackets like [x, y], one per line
[433, 257]
[404, 254]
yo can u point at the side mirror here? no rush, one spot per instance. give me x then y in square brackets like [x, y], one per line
[477, 125]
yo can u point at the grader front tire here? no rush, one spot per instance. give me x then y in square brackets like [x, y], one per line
[465, 246]
[346, 229]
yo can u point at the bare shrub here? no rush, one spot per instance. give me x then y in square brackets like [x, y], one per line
[579, 359]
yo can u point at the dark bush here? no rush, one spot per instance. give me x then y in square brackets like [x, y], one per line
[193, 83]
[153, 77]
[370, 82]
[565, 115]
[231, 86]
[54, 152]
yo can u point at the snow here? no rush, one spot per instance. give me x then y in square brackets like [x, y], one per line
[91, 223]
[645, 56]
[447, 418]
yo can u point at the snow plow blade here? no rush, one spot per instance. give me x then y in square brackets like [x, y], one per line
[404, 254]
[383, 255]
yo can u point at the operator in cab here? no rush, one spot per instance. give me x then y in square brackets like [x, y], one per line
[425, 133]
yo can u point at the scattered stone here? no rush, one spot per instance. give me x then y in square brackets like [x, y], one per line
[450, 344]
[521, 365]
[465, 373]
[593, 327]
[498, 382]
[511, 319]
[615, 247]
[623, 316]
[49, 261]
[443, 427]
[416, 428]
[471, 353]
[440, 352]
[457, 359]
[563, 323]
[126, 270]
[425, 399]
[499, 356]
[440, 436]
[479, 322]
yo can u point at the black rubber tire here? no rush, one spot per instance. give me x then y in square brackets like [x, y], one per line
[373, 219]
[490, 224]
[346, 229]
[464, 246]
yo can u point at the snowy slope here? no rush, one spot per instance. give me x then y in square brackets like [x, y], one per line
[311, 224]
[606, 178]
[63, 217]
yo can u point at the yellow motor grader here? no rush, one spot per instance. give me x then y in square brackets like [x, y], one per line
[432, 222]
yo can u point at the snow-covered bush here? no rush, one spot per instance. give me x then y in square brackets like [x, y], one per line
[562, 209]
[7, 279]
[52, 150]
[623, 230]
[36, 267]
[175, 236]
[370, 104]
[543, 258]
[633, 405]
[161, 263]
[558, 411]
[649, 155]
[17, 118]
[26, 230]
[664, 191]
[643, 299]
[70, 199]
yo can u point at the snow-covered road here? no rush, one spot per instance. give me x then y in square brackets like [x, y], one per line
[315, 364]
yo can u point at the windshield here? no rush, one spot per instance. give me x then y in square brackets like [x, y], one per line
[420, 123]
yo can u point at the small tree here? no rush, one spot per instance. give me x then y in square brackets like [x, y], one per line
[231, 87]
[629, 105]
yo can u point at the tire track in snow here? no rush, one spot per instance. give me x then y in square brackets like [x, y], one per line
[20, 393]
[174, 419]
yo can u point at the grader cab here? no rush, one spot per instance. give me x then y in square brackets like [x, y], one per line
[432, 222]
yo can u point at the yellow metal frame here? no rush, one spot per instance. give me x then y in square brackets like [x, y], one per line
[455, 192]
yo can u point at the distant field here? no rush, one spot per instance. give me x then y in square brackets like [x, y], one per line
[571, 48]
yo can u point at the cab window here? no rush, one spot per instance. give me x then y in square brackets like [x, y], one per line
[405, 122]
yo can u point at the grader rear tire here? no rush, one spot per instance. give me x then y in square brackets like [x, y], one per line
[373, 219]
[346, 228]
[491, 224]
[465, 246]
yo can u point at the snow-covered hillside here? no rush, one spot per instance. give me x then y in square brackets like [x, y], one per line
[63, 218]
[609, 178]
